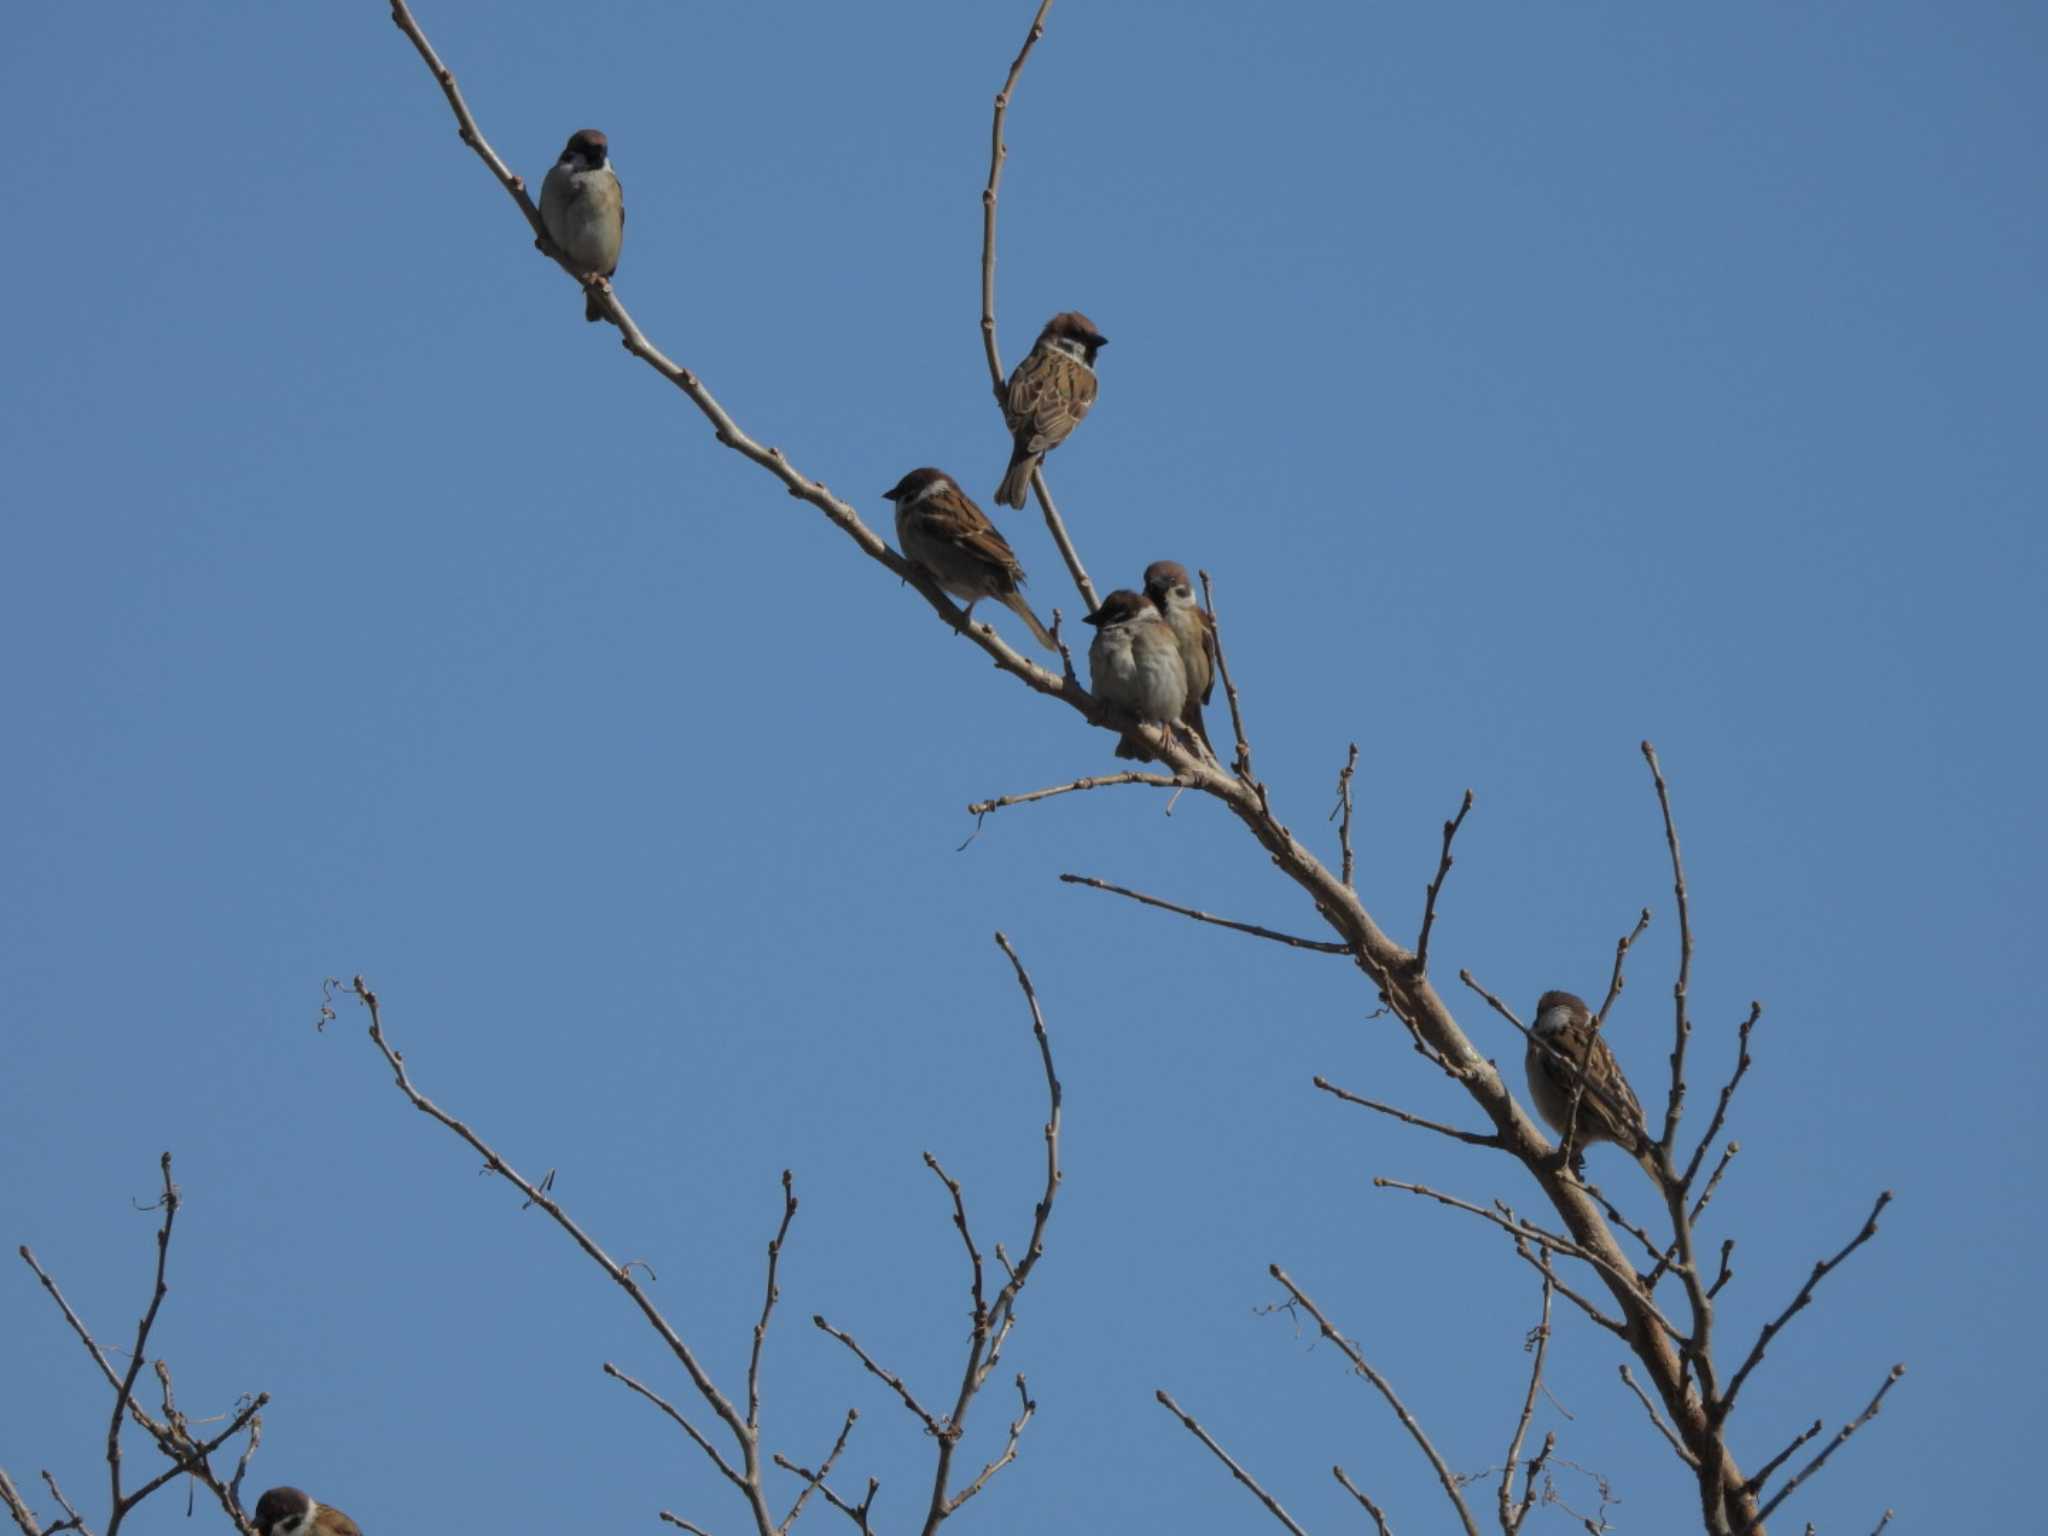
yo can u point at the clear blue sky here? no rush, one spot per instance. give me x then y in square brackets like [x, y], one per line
[1532, 380]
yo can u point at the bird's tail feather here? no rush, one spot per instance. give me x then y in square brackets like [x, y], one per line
[1016, 604]
[1016, 480]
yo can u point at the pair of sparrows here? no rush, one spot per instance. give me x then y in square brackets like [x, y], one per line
[1154, 655]
[291, 1512]
[1562, 1038]
[939, 527]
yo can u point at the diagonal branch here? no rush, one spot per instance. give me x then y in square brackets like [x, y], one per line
[1293, 941]
[1470, 1138]
[1358, 1361]
[815, 1479]
[1272, 1504]
[1841, 1439]
[620, 1274]
[1770, 1330]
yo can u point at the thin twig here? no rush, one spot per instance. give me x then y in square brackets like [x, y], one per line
[1841, 1438]
[814, 1479]
[1470, 1138]
[1670, 1435]
[1692, 1167]
[1028, 1408]
[857, 1513]
[1379, 1516]
[768, 1303]
[1243, 765]
[687, 1427]
[1343, 805]
[1097, 781]
[1681, 1016]
[1358, 1361]
[1770, 1330]
[1511, 1517]
[1443, 869]
[1762, 1475]
[620, 1274]
[1494, 1003]
[1293, 941]
[1616, 982]
[889, 1378]
[1528, 1231]
[1272, 1504]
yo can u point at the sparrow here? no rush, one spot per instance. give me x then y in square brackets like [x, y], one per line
[1166, 584]
[1134, 663]
[1608, 1109]
[288, 1512]
[1048, 395]
[939, 528]
[584, 210]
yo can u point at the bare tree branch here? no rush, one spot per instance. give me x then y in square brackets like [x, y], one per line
[1243, 761]
[1513, 1515]
[1343, 805]
[171, 1434]
[1770, 1330]
[1677, 1445]
[1443, 869]
[981, 808]
[1293, 941]
[1682, 1018]
[1379, 1516]
[1351, 1352]
[814, 1479]
[768, 1303]
[1841, 1439]
[1470, 1138]
[1692, 1167]
[1272, 1504]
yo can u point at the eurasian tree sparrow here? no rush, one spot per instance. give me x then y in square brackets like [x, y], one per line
[1166, 584]
[1049, 393]
[1134, 663]
[288, 1512]
[941, 529]
[1608, 1109]
[584, 209]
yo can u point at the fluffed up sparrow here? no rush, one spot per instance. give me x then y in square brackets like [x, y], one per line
[1166, 584]
[1608, 1109]
[1049, 393]
[940, 528]
[1134, 663]
[584, 209]
[289, 1512]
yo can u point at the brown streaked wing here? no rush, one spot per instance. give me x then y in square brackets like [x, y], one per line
[959, 521]
[1049, 394]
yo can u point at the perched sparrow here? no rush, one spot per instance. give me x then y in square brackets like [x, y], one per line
[1166, 583]
[1608, 1109]
[288, 1512]
[1049, 394]
[584, 210]
[938, 528]
[1134, 663]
